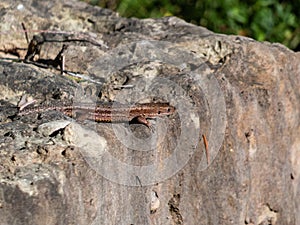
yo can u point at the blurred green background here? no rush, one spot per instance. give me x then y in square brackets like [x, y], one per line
[263, 20]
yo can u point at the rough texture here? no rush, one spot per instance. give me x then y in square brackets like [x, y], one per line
[241, 94]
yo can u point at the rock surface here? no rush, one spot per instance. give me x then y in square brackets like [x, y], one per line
[241, 94]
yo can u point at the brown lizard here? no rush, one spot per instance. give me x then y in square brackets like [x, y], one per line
[108, 112]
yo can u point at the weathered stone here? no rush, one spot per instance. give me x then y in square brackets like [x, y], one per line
[241, 94]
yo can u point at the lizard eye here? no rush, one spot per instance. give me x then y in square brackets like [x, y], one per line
[159, 112]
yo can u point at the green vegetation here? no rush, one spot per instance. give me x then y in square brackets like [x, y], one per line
[263, 20]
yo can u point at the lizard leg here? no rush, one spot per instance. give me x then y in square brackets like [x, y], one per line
[143, 120]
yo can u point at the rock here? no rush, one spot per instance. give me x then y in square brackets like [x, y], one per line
[48, 129]
[242, 95]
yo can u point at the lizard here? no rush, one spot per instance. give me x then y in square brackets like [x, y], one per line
[107, 112]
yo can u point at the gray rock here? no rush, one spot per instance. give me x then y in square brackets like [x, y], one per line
[242, 95]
